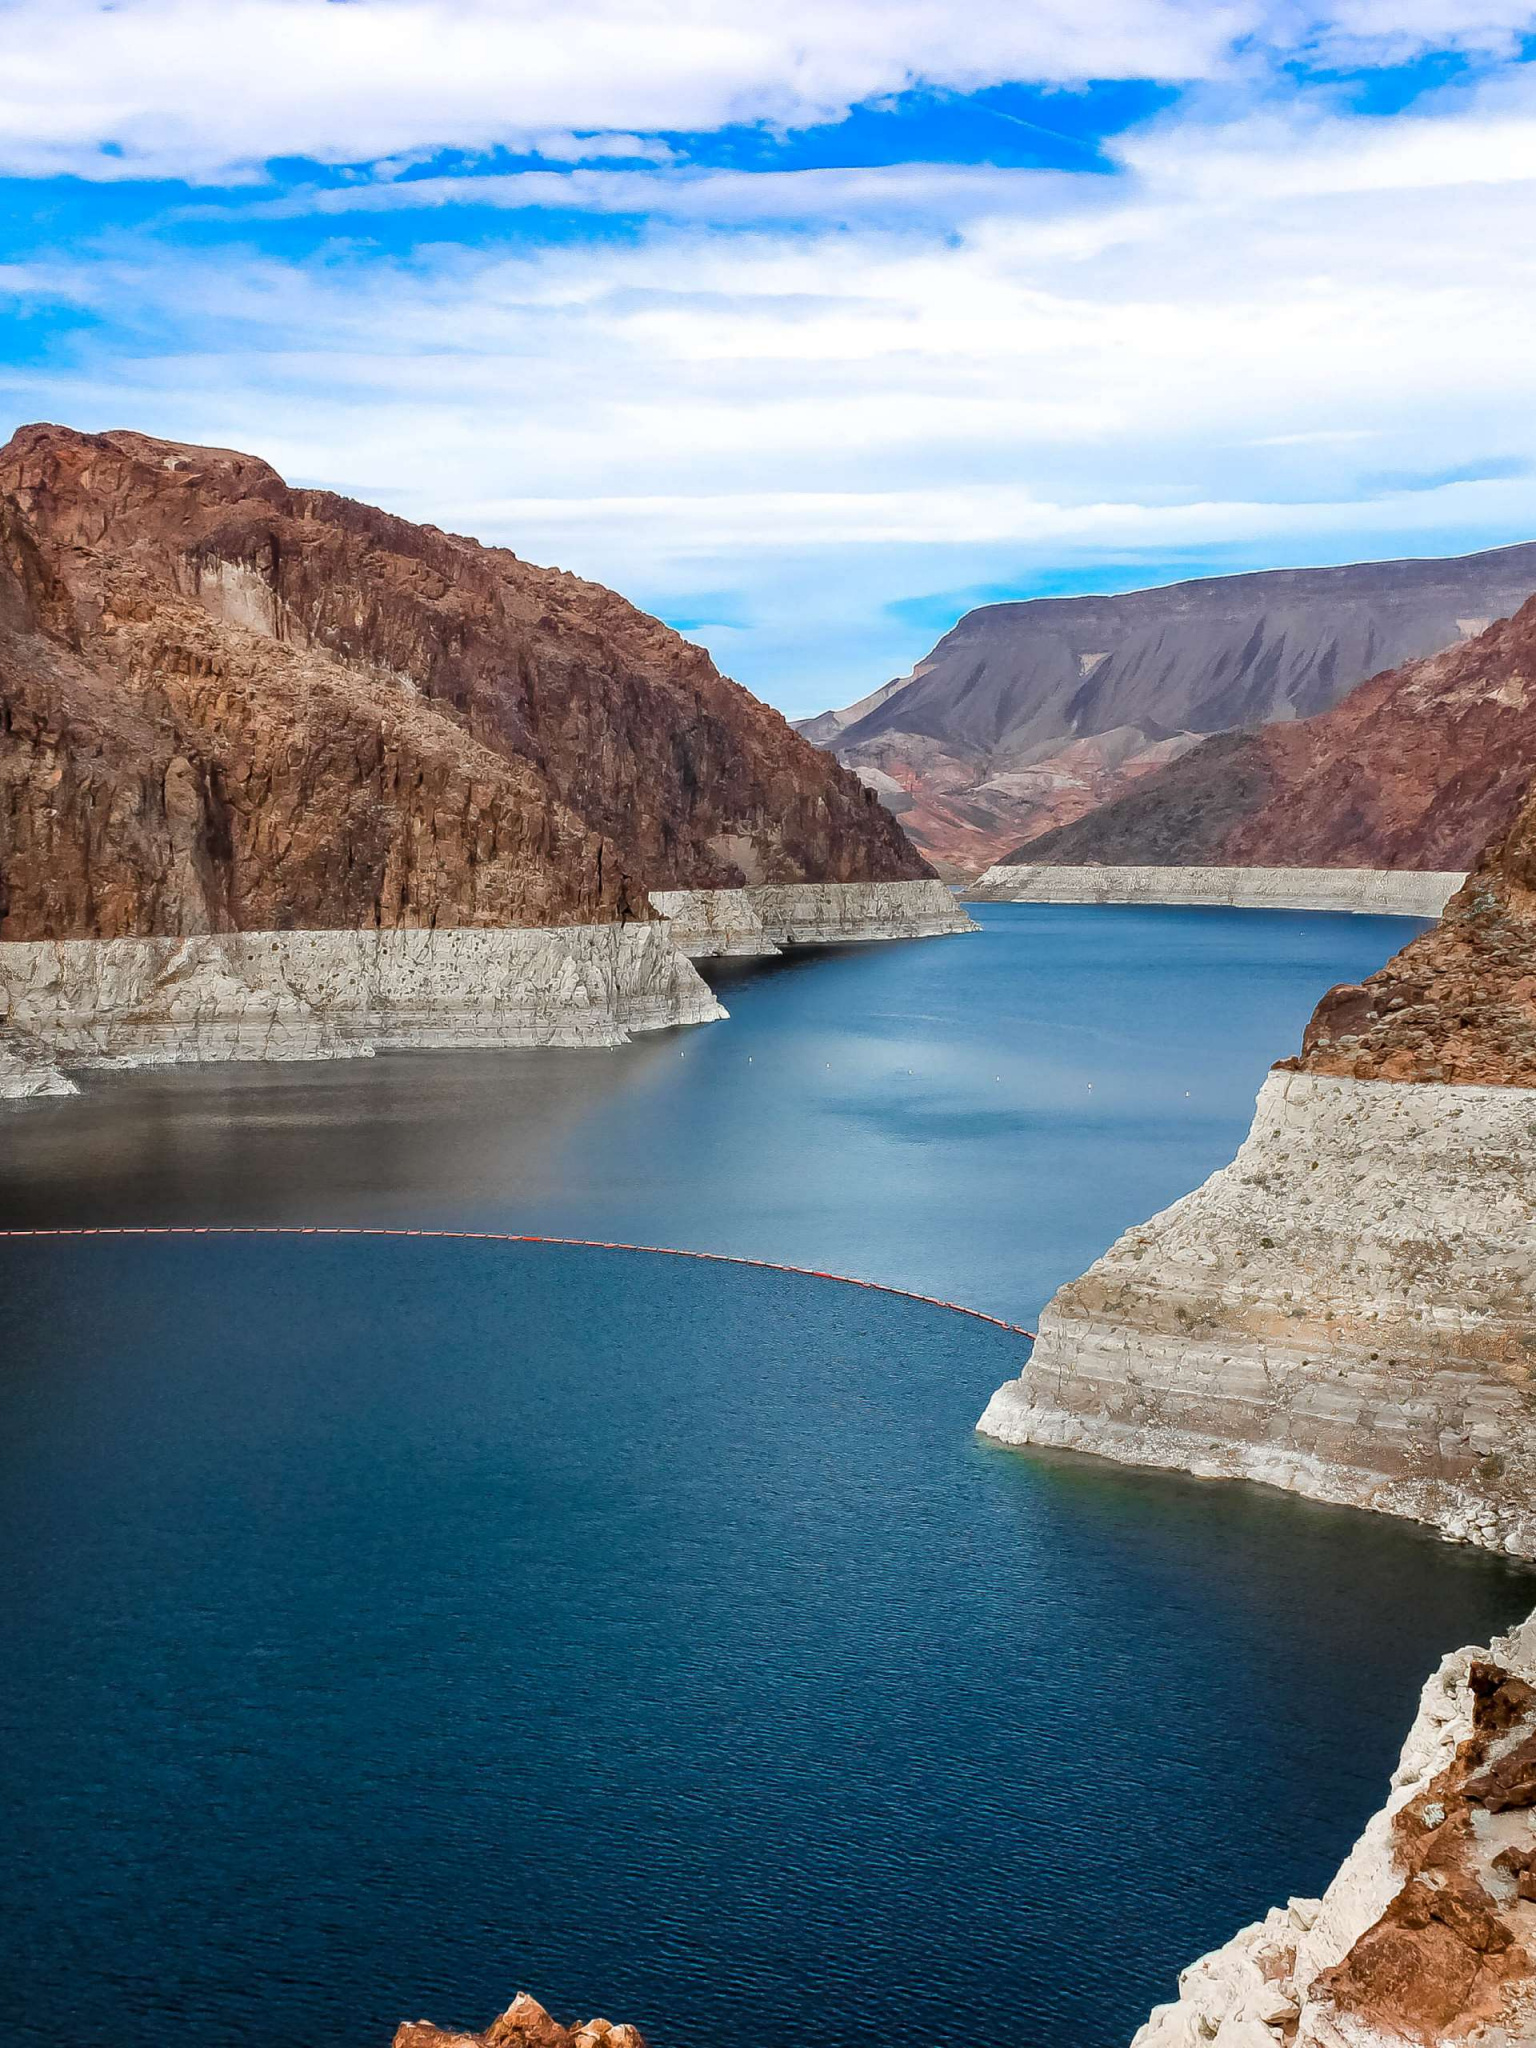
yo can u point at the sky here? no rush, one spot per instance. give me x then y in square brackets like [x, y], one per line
[808, 325]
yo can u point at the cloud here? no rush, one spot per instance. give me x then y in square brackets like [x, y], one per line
[122, 89]
[117, 88]
[821, 391]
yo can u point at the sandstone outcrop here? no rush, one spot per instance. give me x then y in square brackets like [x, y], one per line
[1027, 715]
[228, 705]
[1428, 1932]
[1348, 1310]
[524, 2024]
[326, 995]
[710, 923]
[1373, 892]
[1418, 768]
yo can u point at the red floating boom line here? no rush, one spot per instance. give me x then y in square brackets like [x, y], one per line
[585, 1244]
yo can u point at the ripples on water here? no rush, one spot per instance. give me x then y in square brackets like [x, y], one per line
[388, 1627]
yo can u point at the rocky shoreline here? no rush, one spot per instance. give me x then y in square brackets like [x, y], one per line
[1381, 892]
[762, 921]
[1428, 1931]
[1347, 1311]
[308, 995]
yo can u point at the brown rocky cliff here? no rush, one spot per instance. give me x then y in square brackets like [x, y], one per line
[228, 704]
[1417, 768]
[1458, 1003]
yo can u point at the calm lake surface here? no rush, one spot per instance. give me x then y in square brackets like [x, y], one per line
[390, 1626]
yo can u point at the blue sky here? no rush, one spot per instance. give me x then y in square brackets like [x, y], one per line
[806, 327]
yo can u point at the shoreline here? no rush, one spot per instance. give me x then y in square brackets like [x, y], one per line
[1308, 1320]
[71, 1004]
[1379, 892]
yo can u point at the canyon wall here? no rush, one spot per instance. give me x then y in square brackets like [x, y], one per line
[708, 923]
[1428, 1932]
[328, 995]
[1373, 891]
[229, 705]
[1348, 1310]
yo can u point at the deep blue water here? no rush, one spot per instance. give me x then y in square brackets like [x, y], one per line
[391, 1625]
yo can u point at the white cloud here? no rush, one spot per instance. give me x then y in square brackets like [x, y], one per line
[131, 88]
[820, 391]
[180, 89]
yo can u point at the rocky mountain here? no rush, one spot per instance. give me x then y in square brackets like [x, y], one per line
[226, 704]
[1416, 768]
[1027, 716]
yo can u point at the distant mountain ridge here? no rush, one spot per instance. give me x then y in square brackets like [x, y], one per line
[1027, 715]
[1417, 768]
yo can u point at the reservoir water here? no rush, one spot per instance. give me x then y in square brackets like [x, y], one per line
[390, 1625]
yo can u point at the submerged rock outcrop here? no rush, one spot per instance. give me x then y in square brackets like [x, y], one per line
[524, 2024]
[231, 705]
[1428, 1932]
[1348, 1310]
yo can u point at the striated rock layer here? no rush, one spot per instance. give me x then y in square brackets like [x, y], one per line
[326, 995]
[1372, 891]
[707, 923]
[1428, 1932]
[228, 705]
[1348, 1310]
[1417, 768]
[524, 2024]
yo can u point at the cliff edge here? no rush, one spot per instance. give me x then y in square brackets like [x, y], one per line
[227, 704]
[1348, 1310]
[1428, 1932]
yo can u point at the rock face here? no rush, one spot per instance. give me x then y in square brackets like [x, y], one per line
[1418, 768]
[707, 923]
[327, 995]
[1428, 1932]
[1028, 715]
[1370, 891]
[228, 705]
[1349, 1308]
[1459, 1003]
[524, 2024]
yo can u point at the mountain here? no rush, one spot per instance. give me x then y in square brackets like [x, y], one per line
[1417, 768]
[226, 704]
[1025, 716]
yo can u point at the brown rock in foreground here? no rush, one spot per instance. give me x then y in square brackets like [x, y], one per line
[226, 704]
[1417, 768]
[524, 2024]
[1458, 1003]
